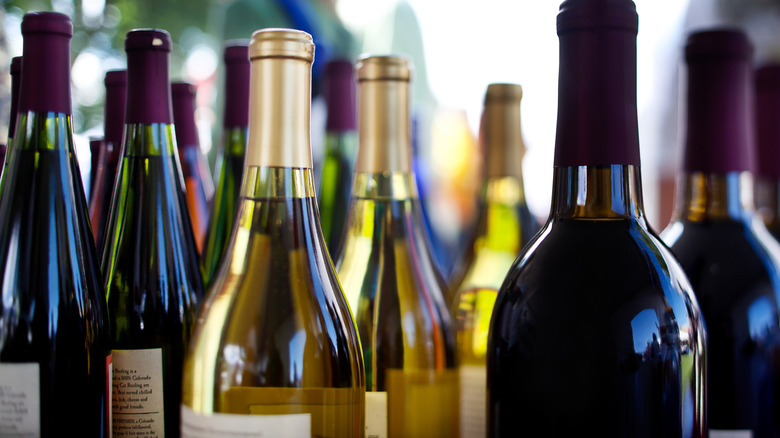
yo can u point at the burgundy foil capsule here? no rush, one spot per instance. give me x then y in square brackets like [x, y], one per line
[47, 38]
[148, 64]
[236, 57]
[597, 82]
[767, 117]
[114, 107]
[184, 115]
[16, 85]
[339, 88]
[719, 137]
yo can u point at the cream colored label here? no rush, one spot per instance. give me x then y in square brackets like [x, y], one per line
[137, 393]
[714, 433]
[196, 425]
[473, 399]
[376, 414]
[20, 400]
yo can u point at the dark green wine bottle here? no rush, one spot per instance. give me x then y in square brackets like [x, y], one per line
[54, 351]
[230, 157]
[150, 265]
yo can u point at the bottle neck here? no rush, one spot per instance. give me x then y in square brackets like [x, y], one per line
[279, 113]
[148, 88]
[148, 140]
[234, 143]
[44, 131]
[597, 192]
[702, 196]
[767, 200]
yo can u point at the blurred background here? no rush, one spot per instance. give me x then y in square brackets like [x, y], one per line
[458, 48]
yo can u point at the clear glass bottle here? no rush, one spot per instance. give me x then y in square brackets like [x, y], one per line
[504, 226]
[230, 156]
[729, 256]
[388, 275]
[595, 326]
[54, 352]
[150, 265]
[275, 349]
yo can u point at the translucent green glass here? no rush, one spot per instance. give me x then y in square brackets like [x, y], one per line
[230, 165]
[150, 266]
[334, 187]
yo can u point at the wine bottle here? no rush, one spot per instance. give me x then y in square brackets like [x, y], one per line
[596, 326]
[110, 152]
[54, 352]
[230, 156]
[504, 226]
[150, 267]
[338, 88]
[16, 83]
[731, 260]
[406, 331]
[275, 349]
[767, 137]
[198, 185]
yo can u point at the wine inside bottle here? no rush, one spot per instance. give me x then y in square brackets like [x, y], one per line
[388, 275]
[504, 226]
[729, 256]
[275, 349]
[230, 157]
[54, 352]
[595, 326]
[150, 266]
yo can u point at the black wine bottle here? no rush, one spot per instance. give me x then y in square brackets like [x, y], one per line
[729, 256]
[150, 266]
[54, 350]
[596, 327]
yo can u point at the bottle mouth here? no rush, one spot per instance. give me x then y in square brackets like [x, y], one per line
[384, 67]
[503, 92]
[281, 43]
[596, 14]
[116, 77]
[48, 23]
[236, 51]
[723, 43]
[148, 39]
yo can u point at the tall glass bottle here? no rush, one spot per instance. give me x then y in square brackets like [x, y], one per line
[198, 185]
[110, 152]
[16, 84]
[730, 258]
[338, 87]
[596, 326]
[150, 267]
[275, 349]
[504, 226]
[407, 334]
[767, 108]
[230, 156]
[54, 352]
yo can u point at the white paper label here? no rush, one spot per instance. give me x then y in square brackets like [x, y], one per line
[196, 425]
[714, 433]
[473, 401]
[137, 394]
[376, 414]
[20, 400]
